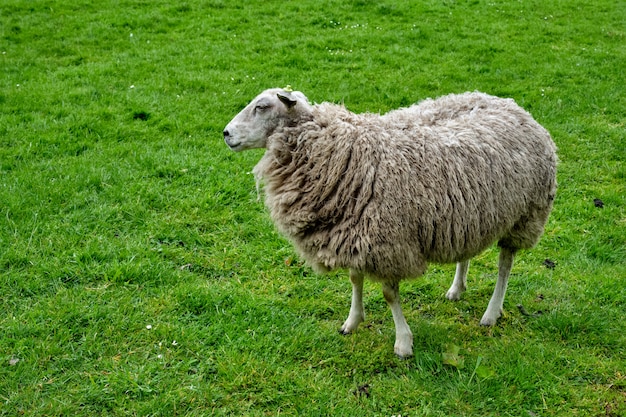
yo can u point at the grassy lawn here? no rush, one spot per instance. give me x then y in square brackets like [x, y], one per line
[139, 275]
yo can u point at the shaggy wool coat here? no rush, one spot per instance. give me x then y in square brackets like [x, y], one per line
[439, 181]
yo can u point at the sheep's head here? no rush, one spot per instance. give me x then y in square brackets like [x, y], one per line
[269, 111]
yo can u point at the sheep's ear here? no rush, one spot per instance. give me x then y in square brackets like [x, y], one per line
[287, 99]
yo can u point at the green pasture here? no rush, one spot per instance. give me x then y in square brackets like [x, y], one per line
[141, 276]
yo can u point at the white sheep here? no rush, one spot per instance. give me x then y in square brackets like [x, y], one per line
[383, 195]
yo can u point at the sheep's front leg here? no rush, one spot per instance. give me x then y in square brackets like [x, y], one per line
[404, 338]
[494, 309]
[459, 285]
[357, 312]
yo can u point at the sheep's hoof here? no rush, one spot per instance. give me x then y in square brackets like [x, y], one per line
[453, 295]
[344, 332]
[403, 353]
[489, 320]
[403, 347]
[351, 324]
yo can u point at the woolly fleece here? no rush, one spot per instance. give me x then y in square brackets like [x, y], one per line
[439, 181]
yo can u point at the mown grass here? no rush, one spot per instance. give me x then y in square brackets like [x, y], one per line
[139, 275]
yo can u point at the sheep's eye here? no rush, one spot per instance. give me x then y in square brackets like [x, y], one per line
[262, 106]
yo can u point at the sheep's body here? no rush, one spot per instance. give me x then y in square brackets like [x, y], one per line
[439, 181]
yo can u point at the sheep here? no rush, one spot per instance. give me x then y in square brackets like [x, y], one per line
[384, 195]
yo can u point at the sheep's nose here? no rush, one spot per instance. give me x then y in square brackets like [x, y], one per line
[226, 133]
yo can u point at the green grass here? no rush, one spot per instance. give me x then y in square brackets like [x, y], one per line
[139, 275]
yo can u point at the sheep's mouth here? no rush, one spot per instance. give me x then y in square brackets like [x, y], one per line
[233, 145]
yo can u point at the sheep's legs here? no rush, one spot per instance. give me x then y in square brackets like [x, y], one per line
[404, 338]
[494, 309]
[357, 312]
[459, 285]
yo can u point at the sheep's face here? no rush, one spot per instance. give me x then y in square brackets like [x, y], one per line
[267, 112]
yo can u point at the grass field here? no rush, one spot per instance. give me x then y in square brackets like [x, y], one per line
[139, 275]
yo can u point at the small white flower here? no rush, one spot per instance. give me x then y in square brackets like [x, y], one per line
[132, 86]
[174, 343]
[159, 356]
[149, 327]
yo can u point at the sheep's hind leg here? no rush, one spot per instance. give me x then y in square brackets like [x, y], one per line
[494, 309]
[404, 338]
[357, 312]
[459, 285]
